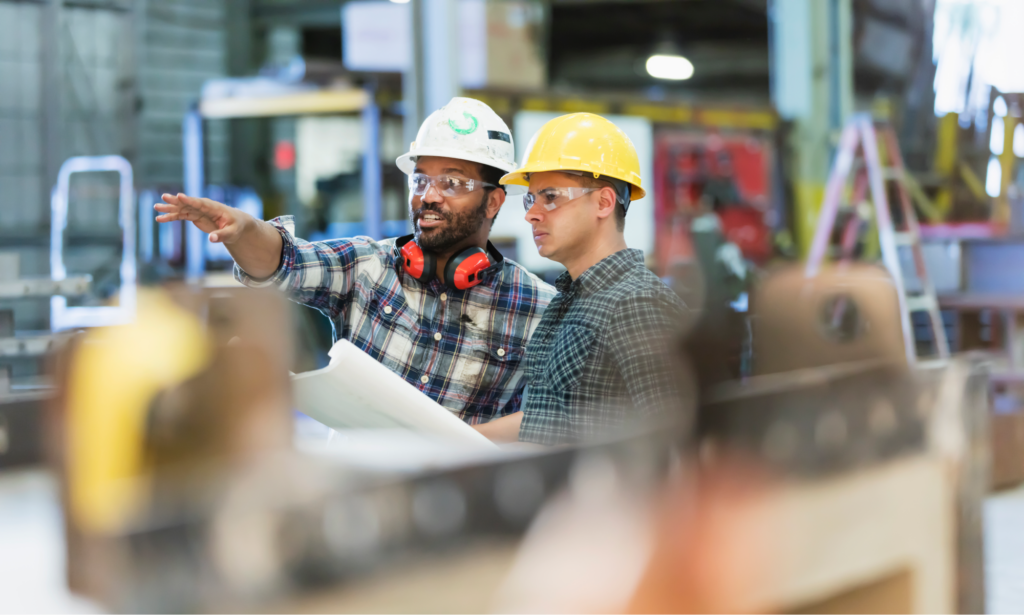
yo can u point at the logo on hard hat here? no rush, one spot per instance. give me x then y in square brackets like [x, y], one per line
[464, 130]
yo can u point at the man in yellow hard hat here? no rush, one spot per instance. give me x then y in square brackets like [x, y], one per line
[602, 358]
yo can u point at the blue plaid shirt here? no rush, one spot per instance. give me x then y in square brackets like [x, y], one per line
[462, 348]
[604, 359]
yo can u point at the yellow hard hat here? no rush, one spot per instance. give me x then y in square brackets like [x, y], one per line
[581, 142]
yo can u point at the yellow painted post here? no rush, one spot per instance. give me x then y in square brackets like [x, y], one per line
[1001, 206]
[945, 159]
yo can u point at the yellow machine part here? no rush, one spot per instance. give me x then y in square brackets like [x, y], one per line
[114, 377]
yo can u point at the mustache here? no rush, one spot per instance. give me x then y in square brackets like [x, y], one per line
[418, 213]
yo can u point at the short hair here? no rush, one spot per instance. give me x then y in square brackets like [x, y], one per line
[492, 175]
[589, 181]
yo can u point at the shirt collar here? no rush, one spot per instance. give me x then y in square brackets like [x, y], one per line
[605, 273]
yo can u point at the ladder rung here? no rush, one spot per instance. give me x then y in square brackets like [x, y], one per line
[923, 303]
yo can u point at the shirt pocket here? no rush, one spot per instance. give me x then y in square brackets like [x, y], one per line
[568, 357]
[486, 361]
[391, 328]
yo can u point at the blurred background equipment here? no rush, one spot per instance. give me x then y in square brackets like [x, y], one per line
[831, 413]
[896, 223]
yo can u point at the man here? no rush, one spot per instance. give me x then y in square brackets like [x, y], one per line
[603, 358]
[441, 307]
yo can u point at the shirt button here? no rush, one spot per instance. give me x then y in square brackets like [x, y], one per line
[425, 379]
[444, 296]
[437, 336]
[501, 352]
[387, 309]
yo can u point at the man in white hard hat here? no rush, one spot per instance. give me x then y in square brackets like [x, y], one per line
[441, 307]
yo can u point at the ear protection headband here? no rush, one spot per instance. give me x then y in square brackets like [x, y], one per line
[462, 270]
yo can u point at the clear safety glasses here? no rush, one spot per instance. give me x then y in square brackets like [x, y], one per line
[550, 198]
[447, 185]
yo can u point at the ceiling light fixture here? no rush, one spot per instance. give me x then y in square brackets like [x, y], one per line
[669, 67]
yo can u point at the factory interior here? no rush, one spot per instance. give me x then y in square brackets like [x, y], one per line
[276, 336]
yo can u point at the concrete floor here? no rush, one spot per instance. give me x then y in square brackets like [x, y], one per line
[32, 547]
[32, 552]
[1004, 551]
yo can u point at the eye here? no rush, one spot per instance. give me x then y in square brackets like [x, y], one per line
[548, 196]
[418, 181]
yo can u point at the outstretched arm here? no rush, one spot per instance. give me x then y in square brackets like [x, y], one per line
[254, 244]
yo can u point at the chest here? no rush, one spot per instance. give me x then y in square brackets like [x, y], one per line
[569, 342]
[422, 331]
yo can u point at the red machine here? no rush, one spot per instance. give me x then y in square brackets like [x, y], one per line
[696, 171]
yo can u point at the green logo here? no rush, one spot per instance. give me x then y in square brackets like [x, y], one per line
[464, 130]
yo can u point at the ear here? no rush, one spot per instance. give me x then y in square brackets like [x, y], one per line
[494, 202]
[606, 200]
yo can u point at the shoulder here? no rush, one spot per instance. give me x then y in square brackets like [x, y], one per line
[644, 291]
[518, 278]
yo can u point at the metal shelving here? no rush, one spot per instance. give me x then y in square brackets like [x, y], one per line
[44, 287]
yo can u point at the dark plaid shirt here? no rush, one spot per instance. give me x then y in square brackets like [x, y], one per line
[462, 348]
[602, 358]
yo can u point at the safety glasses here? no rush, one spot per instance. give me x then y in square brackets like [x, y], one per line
[551, 198]
[447, 185]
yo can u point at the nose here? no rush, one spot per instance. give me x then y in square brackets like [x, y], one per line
[432, 190]
[535, 213]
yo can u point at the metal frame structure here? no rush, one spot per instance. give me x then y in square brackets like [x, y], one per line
[62, 316]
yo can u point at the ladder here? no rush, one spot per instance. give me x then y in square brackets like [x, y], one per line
[858, 153]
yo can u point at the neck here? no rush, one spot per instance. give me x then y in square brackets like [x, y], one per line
[443, 258]
[595, 253]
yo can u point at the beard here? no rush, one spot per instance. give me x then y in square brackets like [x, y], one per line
[456, 229]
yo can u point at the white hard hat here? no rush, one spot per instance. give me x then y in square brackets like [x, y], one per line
[464, 129]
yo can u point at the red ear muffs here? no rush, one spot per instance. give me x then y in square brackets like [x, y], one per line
[463, 269]
[417, 263]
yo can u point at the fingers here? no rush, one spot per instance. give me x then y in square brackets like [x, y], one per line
[225, 235]
[168, 218]
[204, 207]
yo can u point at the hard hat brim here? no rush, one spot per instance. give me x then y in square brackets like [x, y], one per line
[520, 177]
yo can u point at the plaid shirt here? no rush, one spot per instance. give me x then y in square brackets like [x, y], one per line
[602, 356]
[463, 348]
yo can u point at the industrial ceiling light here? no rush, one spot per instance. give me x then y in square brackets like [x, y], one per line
[667, 61]
[672, 68]
[400, 1]
[669, 67]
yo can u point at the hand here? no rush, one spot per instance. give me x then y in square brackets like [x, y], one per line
[223, 223]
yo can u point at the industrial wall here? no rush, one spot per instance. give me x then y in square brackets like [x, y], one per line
[97, 78]
[182, 44]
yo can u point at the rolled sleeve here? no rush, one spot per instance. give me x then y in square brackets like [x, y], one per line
[321, 274]
[285, 225]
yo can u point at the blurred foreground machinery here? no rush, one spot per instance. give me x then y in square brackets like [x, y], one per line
[837, 479]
